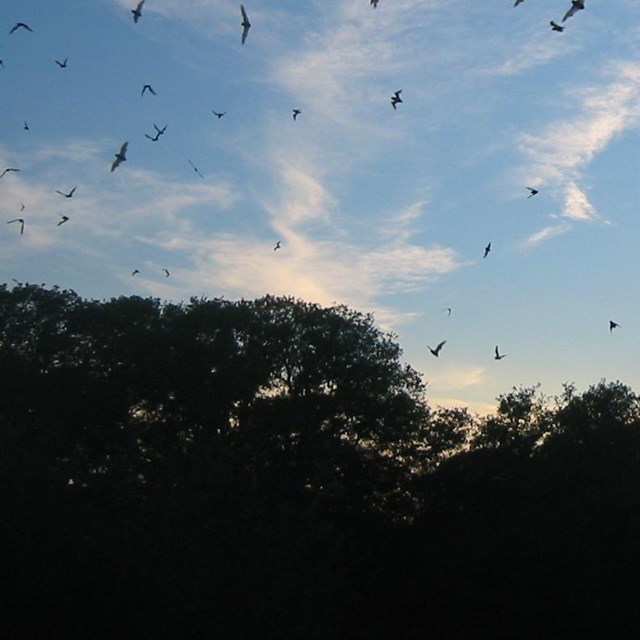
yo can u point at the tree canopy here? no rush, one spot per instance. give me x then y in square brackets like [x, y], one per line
[271, 468]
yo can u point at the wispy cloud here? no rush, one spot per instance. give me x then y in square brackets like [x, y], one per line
[546, 233]
[600, 112]
[576, 204]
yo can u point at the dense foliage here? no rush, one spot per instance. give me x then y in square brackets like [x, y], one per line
[271, 469]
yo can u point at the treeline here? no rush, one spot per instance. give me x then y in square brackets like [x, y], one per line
[271, 469]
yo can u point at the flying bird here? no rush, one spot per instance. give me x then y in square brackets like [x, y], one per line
[21, 221]
[10, 169]
[63, 64]
[436, 351]
[159, 132]
[218, 114]
[21, 25]
[576, 5]
[195, 168]
[166, 272]
[246, 25]
[487, 249]
[137, 12]
[63, 219]
[147, 87]
[396, 99]
[277, 246]
[556, 27]
[612, 325]
[532, 192]
[296, 113]
[121, 157]
[67, 195]
[135, 272]
[498, 355]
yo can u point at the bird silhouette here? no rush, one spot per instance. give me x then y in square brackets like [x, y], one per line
[166, 272]
[612, 325]
[576, 5]
[436, 351]
[195, 168]
[67, 195]
[63, 219]
[277, 246]
[218, 114]
[159, 132]
[296, 113]
[9, 170]
[137, 12]
[487, 250]
[147, 87]
[121, 157]
[21, 25]
[556, 27]
[498, 355]
[21, 221]
[63, 64]
[135, 272]
[532, 192]
[396, 99]
[246, 25]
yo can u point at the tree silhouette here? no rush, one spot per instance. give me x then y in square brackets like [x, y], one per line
[270, 468]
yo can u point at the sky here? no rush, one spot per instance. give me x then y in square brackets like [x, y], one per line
[387, 211]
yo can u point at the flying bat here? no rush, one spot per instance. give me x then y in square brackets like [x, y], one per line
[26, 126]
[147, 87]
[21, 25]
[396, 99]
[7, 171]
[63, 219]
[137, 12]
[487, 249]
[374, 3]
[218, 114]
[296, 113]
[518, 2]
[21, 221]
[246, 25]
[556, 27]
[121, 157]
[195, 168]
[576, 5]
[166, 272]
[498, 355]
[612, 325]
[532, 192]
[135, 272]
[277, 246]
[63, 64]
[436, 351]
[67, 195]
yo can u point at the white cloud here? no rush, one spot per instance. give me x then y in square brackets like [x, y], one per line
[577, 205]
[546, 234]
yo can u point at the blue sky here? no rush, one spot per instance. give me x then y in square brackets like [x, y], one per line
[386, 211]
